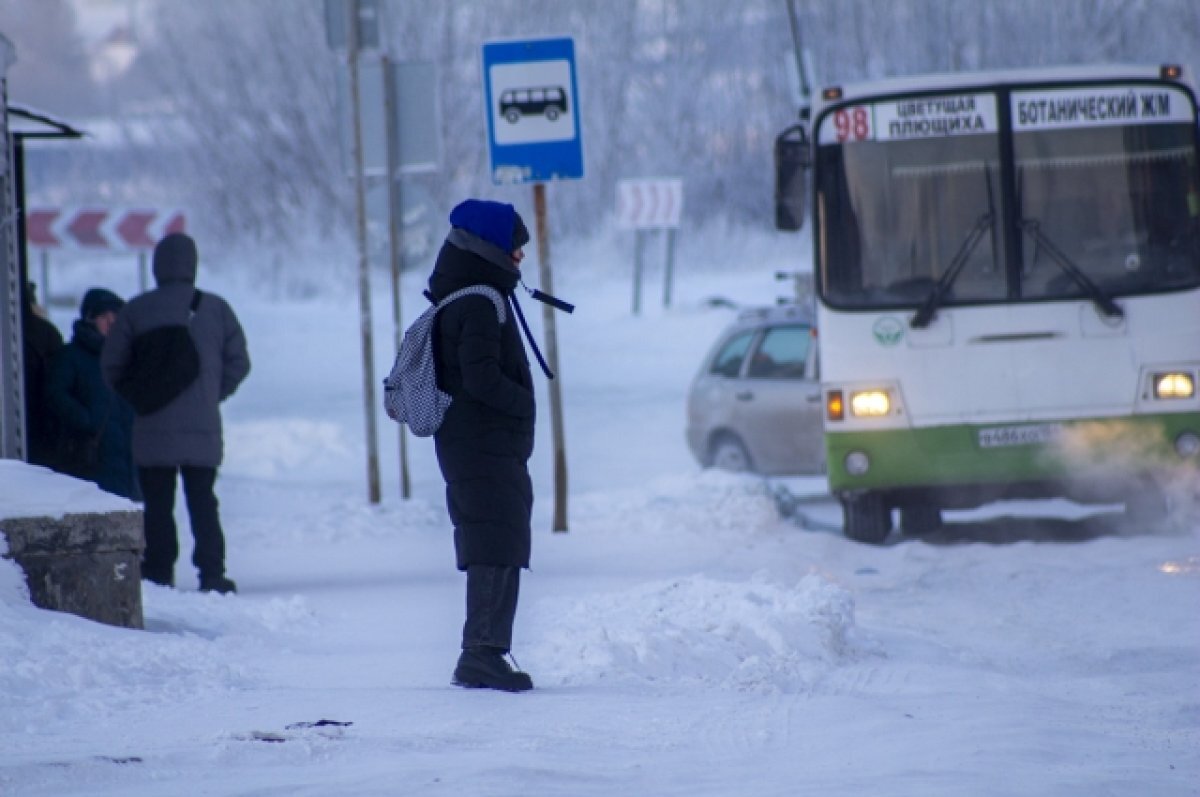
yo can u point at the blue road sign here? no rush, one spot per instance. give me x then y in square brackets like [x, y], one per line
[532, 110]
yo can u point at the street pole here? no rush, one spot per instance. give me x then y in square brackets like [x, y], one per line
[669, 276]
[395, 238]
[638, 246]
[556, 415]
[364, 274]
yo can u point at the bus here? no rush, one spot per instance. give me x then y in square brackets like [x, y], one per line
[1007, 271]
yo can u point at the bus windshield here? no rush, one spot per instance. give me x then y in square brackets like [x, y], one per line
[1102, 197]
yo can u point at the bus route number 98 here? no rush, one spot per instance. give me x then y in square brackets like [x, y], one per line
[852, 124]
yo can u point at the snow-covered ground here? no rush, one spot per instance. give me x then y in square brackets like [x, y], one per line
[684, 639]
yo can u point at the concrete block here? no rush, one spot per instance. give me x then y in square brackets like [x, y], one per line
[88, 564]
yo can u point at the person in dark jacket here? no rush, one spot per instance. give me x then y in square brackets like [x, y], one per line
[41, 341]
[96, 424]
[185, 436]
[484, 442]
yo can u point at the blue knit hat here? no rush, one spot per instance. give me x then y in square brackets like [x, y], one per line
[497, 223]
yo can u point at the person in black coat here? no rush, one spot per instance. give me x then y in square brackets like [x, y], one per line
[96, 423]
[41, 341]
[485, 441]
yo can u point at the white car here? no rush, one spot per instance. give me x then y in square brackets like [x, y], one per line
[755, 405]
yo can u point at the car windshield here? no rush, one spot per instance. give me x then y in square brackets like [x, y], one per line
[918, 208]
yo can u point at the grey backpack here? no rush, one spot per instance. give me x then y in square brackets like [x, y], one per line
[410, 393]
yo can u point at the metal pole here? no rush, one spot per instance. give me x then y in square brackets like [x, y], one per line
[143, 280]
[44, 257]
[364, 273]
[556, 415]
[395, 237]
[669, 278]
[638, 242]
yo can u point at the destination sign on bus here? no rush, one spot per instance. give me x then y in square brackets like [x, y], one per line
[915, 118]
[1049, 109]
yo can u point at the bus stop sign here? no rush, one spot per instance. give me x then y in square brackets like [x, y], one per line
[532, 108]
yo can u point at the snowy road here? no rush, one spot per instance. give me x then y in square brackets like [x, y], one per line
[684, 639]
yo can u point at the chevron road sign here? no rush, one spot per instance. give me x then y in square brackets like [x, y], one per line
[111, 229]
[648, 203]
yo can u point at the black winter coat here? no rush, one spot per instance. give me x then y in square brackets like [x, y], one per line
[87, 409]
[486, 438]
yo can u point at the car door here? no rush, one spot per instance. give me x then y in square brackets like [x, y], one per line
[712, 403]
[778, 400]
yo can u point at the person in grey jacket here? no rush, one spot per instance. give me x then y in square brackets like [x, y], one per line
[185, 436]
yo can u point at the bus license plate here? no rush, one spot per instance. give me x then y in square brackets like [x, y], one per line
[1028, 435]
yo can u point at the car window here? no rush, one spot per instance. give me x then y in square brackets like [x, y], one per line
[782, 353]
[728, 361]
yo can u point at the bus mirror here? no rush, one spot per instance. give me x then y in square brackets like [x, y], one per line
[792, 159]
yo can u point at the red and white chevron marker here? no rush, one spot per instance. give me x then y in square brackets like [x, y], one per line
[648, 203]
[101, 229]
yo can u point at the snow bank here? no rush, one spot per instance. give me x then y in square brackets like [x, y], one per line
[746, 636]
[61, 666]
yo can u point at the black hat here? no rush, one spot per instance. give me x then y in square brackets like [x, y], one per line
[520, 235]
[98, 301]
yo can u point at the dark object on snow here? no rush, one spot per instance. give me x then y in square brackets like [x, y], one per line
[84, 564]
[318, 724]
[163, 362]
[486, 668]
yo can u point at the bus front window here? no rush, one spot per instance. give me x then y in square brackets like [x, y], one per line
[902, 186]
[1106, 175]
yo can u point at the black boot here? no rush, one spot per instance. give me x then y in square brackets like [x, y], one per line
[486, 668]
[160, 576]
[222, 584]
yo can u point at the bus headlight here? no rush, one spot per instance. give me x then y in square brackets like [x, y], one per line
[1175, 385]
[870, 403]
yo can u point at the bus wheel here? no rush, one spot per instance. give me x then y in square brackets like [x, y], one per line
[1147, 505]
[867, 518]
[919, 519]
[513, 117]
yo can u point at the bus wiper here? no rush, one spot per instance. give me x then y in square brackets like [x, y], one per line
[1101, 299]
[929, 307]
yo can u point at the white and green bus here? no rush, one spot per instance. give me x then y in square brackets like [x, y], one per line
[1008, 278]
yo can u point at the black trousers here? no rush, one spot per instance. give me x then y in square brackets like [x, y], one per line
[162, 542]
[491, 606]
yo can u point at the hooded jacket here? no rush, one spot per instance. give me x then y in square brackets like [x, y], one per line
[87, 410]
[188, 430]
[486, 438]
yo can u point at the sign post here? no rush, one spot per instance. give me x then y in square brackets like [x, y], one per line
[649, 204]
[531, 101]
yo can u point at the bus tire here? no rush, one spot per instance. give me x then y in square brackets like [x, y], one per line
[866, 518]
[918, 519]
[1147, 505]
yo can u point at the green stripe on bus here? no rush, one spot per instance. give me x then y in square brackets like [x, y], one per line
[948, 455]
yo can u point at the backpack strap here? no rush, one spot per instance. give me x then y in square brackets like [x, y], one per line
[479, 290]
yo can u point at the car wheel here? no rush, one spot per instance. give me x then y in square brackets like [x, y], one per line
[920, 519]
[867, 518]
[728, 453]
